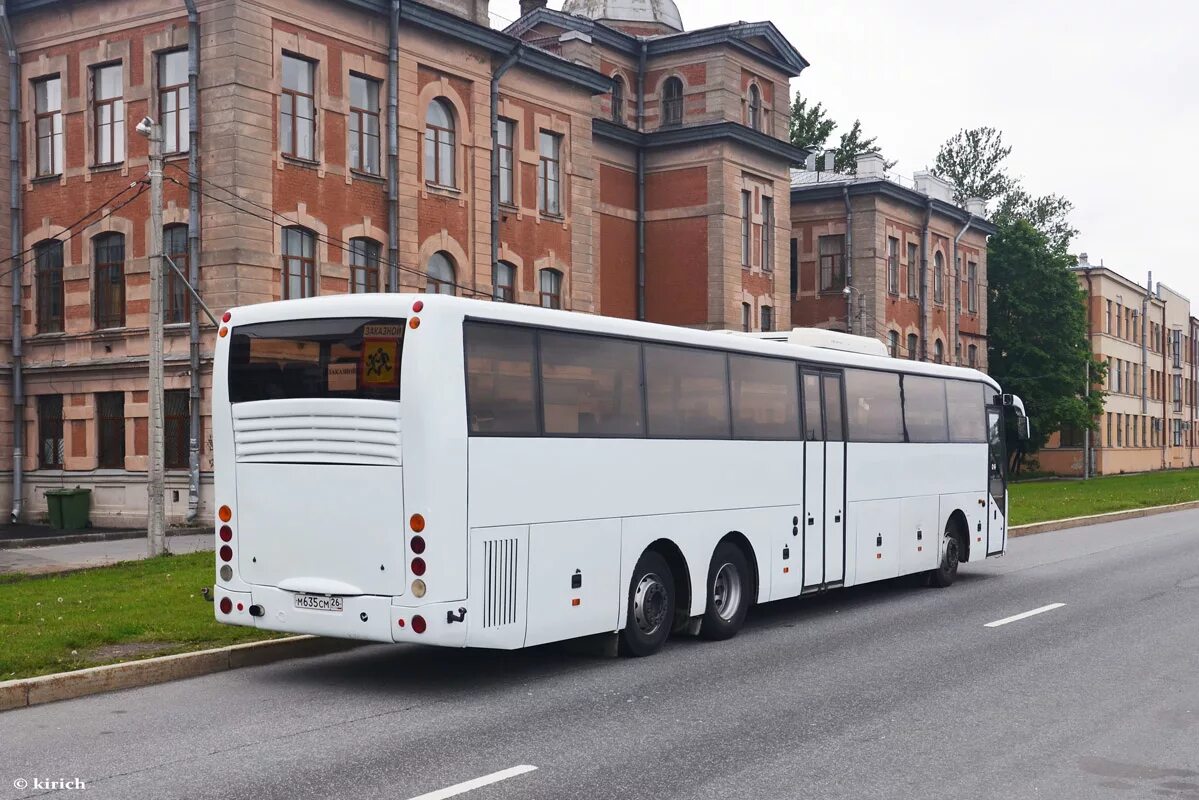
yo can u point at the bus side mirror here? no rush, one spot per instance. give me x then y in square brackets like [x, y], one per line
[1024, 428]
[1007, 399]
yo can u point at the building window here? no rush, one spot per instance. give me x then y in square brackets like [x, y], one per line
[794, 268]
[49, 431]
[297, 109]
[299, 263]
[110, 429]
[109, 114]
[1071, 436]
[972, 356]
[47, 94]
[48, 274]
[893, 343]
[746, 317]
[505, 283]
[767, 234]
[550, 282]
[913, 345]
[1176, 348]
[893, 265]
[439, 144]
[832, 263]
[109, 251]
[746, 209]
[174, 106]
[938, 278]
[1108, 325]
[177, 304]
[505, 139]
[913, 271]
[176, 428]
[440, 274]
[672, 102]
[618, 99]
[364, 124]
[755, 107]
[938, 352]
[549, 174]
[1177, 393]
[364, 265]
[767, 314]
[972, 286]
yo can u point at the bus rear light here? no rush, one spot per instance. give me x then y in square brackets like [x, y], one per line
[226, 533]
[418, 588]
[226, 573]
[417, 523]
[240, 607]
[226, 605]
[226, 553]
[414, 323]
[400, 622]
[418, 624]
[418, 566]
[574, 601]
[226, 317]
[418, 544]
[418, 306]
[224, 331]
[225, 513]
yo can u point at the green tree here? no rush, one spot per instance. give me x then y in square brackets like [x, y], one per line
[973, 161]
[811, 129]
[1049, 214]
[1037, 331]
[852, 145]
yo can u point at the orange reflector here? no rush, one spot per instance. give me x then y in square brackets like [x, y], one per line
[786, 570]
[225, 332]
[878, 555]
[574, 602]
[979, 539]
[225, 513]
[414, 322]
[920, 548]
[417, 523]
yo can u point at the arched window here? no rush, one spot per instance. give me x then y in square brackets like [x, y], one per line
[938, 281]
[618, 99]
[755, 107]
[938, 352]
[551, 288]
[913, 345]
[176, 303]
[109, 249]
[364, 265]
[299, 263]
[893, 343]
[439, 144]
[505, 283]
[441, 274]
[48, 275]
[672, 102]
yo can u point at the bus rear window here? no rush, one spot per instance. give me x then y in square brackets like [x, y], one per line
[355, 358]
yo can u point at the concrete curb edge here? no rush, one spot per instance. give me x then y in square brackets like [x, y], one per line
[24, 692]
[83, 537]
[1094, 519]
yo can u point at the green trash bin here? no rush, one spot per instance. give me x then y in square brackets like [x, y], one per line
[69, 508]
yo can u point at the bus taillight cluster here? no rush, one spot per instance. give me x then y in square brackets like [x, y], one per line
[418, 566]
[225, 514]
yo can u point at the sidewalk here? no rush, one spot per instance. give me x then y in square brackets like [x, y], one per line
[93, 553]
[27, 535]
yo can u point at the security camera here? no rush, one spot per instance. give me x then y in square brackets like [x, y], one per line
[145, 127]
[844, 291]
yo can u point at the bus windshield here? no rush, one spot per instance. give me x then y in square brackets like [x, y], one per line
[356, 358]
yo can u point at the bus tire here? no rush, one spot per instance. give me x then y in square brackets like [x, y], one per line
[947, 571]
[728, 593]
[651, 606]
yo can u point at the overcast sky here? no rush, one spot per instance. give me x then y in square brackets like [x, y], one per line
[1099, 100]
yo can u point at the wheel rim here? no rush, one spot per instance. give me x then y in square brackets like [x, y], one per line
[650, 602]
[951, 554]
[726, 592]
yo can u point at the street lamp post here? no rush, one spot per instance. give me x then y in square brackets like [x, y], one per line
[156, 477]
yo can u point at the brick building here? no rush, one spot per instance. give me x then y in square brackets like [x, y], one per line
[915, 262]
[601, 159]
[1148, 339]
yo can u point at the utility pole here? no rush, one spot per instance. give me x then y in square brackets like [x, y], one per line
[156, 477]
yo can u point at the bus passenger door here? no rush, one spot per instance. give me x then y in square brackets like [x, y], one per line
[996, 483]
[834, 478]
[812, 524]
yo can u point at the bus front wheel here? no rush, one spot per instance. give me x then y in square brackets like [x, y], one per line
[651, 606]
[945, 573]
[728, 593]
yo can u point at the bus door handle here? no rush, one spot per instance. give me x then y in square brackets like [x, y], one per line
[838, 517]
[811, 521]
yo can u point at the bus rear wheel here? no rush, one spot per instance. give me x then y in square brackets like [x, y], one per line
[651, 606]
[728, 593]
[945, 574]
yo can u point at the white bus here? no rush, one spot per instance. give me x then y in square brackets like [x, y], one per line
[423, 468]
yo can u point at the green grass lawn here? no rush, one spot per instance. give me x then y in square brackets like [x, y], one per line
[1038, 501]
[137, 609]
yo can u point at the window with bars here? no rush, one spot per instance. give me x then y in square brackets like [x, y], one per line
[364, 124]
[48, 125]
[49, 431]
[110, 429]
[550, 285]
[174, 105]
[505, 283]
[48, 274]
[672, 102]
[176, 428]
[109, 249]
[364, 265]
[618, 92]
[177, 305]
[549, 174]
[299, 263]
[440, 146]
[832, 263]
[767, 234]
[892, 265]
[108, 114]
[297, 108]
[913, 270]
[505, 138]
[441, 274]
[913, 345]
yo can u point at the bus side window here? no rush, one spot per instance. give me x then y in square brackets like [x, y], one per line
[924, 409]
[500, 388]
[833, 426]
[813, 410]
[967, 422]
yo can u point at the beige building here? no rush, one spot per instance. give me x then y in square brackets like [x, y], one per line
[1147, 338]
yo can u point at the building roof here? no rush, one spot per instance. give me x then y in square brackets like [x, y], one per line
[698, 134]
[661, 12]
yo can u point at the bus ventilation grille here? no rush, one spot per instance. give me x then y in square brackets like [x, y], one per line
[499, 582]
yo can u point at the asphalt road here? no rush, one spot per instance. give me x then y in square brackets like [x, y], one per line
[879, 692]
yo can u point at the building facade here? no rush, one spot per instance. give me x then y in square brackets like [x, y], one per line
[1147, 339]
[901, 263]
[600, 159]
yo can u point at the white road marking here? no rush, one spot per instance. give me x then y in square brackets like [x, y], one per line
[1025, 615]
[486, 780]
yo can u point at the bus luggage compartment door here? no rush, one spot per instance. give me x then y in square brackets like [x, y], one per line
[574, 577]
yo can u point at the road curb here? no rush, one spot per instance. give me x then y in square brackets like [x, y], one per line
[1094, 519]
[79, 538]
[25, 692]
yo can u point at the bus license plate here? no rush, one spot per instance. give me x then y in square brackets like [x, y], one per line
[316, 602]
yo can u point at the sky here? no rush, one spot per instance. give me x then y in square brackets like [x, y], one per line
[1098, 99]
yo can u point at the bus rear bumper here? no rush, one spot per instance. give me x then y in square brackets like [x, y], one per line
[445, 624]
[362, 617]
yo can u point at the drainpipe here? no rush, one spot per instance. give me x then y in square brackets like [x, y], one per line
[641, 183]
[1145, 347]
[14, 174]
[957, 292]
[849, 261]
[508, 64]
[924, 248]
[193, 256]
[393, 150]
